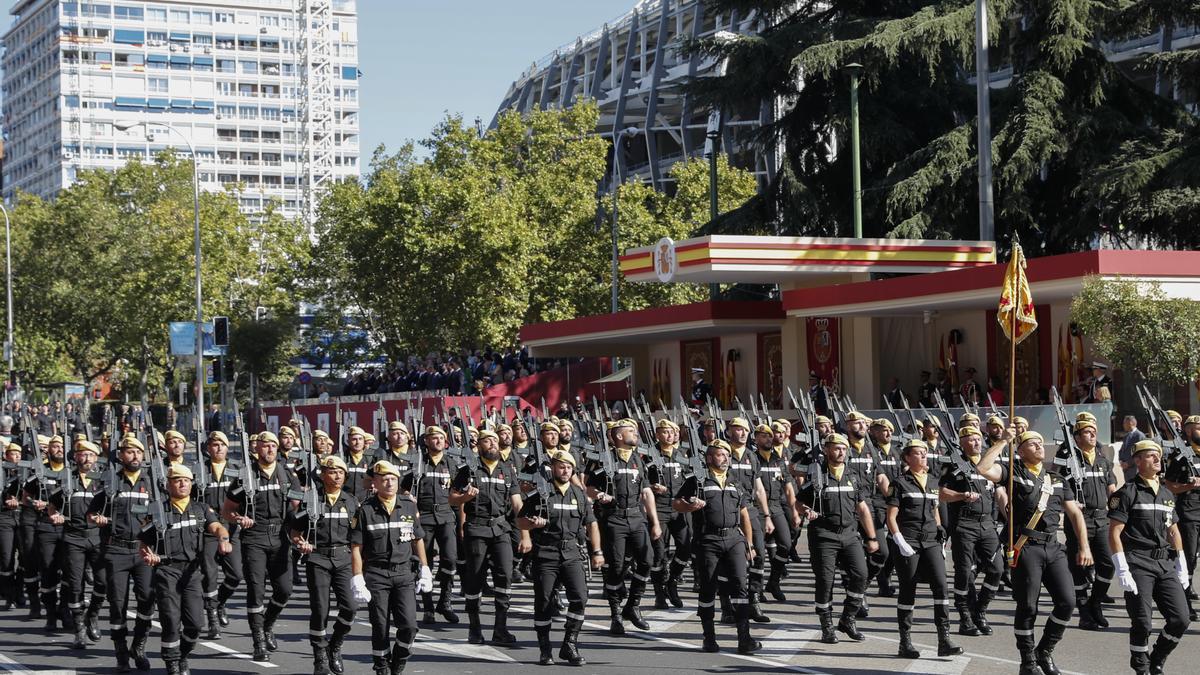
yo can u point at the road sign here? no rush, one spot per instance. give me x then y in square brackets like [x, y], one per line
[304, 377]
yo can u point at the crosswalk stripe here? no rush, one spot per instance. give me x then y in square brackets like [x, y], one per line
[786, 641]
[953, 665]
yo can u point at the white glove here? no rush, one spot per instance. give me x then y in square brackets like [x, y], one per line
[425, 583]
[1182, 571]
[902, 545]
[1123, 574]
[359, 585]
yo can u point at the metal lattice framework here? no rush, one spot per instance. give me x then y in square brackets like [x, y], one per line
[317, 110]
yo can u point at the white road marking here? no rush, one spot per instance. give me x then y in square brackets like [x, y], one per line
[11, 667]
[786, 641]
[953, 665]
[933, 650]
[663, 620]
[215, 646]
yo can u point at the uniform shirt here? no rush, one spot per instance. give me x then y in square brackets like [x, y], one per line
[183, 540]
[700, 392]
[270, 505]
[670, 474]
[487, 514]
[982, 510]
[862, 463]
[722, 506]
[568, 514]
[125, 503]
[357, 481]
[1097, 476]
[42, 490]
[775, 477]
[77, 523]
[433, 491]
[917, 506]
[890, 465]
[742, 472]
[1178, 471]
[217, 490]
[331, 522]
[386, 538]
[838, 501]
[1027, 490]
[625, 486]
[1148, 515]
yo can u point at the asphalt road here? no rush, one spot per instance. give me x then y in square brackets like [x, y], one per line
[672, 645]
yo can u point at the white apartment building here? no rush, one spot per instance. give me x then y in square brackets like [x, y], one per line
[231, 76]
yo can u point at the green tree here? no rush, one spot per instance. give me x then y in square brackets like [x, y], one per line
[1137, 328]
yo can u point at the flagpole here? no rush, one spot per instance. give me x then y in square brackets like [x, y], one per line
[1012, 389]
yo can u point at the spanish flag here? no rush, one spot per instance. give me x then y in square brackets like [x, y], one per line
[1016, 314]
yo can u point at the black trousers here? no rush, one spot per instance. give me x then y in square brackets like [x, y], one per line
[830, 551]
[722, 557]
[267, 558]
[393, 602]
[779, 542]
[975, 548]
[925, 564]
[82, 553]
[550, 569]
[122, 566]
[213, 564]
[1157, 584]
[325, 572]
[443, 538]
[877, 560]
[1189, 532]
[494, 552]
[1042, 564]
[620, 537]
[677, 530]
[9, 539]
[27, 545]
[1097, 534]
[757, 567]
[179, 590]
[51, 553]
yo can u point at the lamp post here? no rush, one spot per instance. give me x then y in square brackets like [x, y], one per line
[9, 347]
[712, 147]
[854, 69]
[616, 183]
[125, 126]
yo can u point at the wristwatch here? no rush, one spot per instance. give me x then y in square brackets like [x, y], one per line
[872, 539]
[596, 553]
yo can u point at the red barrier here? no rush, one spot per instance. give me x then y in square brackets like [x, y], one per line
[565, 384]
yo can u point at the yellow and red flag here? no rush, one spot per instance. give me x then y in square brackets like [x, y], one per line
[1016, 315]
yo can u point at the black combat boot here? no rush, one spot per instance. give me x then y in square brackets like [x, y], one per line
[946, 646]
[320, 661]
[615, 627]
[91, 619]
[397, 660]
[658, 578]
[966, 622]
[137, 649]
[746, 643]
[710, 630]
[848, 625]
[673, 591]
[545, 651]
[261, 653]
[269, 618]
[500, 634]
[569, 651]
[980, 614]
[443, 604]
[210, 614]
[81, 637]
[828, 635]
[907, 651]
[427, 617]
[633, 611]
[122, 653]
[474, 630]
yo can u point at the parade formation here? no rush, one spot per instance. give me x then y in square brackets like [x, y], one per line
[629, 496]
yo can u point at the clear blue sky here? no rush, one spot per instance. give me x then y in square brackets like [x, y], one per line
[424, 58]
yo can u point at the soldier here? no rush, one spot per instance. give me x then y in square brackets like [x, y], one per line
[10, 529]
[1098, 481]
[556, 519]
[258, 507]
[890, 464]
[666, 481]
[323, 538]
[1182, 478]
[974, 542]
[567, 441]
[870, 480]
[49, 535]
[175, 554]
[221, 472]
[385, 536]
[81, 541]
[1039, 500]
[626, 505]
[835, 513]
[439, 522]
[781, 502]
[912, 516]
[397, 448]
[722, 535]
[358, 462]
[520, 438]
[488, 495]
[118, 510]
[744, 471]
[1100, 385]
[175, 443]
[1020, 424]
[1144, 524]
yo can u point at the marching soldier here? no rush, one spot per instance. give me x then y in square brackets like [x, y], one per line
[891, 464]
[175, 555]
[397, 448]
[488, 495]
[870, 480]
[520, 438]
[385, 537]
[667, 480]
[10, 530]
[1148, 558]
[974, 541]
[744, 471]
[781, 504]
[358, 463]
[119, 510]
[836, 512]
[556, 518]
[625, 504]
[439, 522]
[1039, 501]
[1099, 482]
[221, 472]
[912, 516]
[175, 443]
[81, 540]
[49, 535]
[1182, 477]
[259, 506]
[722, 535]
[323, 537]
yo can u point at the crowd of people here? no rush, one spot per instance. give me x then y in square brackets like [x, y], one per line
[464, 372]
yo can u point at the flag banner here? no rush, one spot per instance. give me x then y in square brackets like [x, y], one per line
[1016, 301]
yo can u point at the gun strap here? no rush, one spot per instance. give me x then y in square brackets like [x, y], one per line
[1043, 500]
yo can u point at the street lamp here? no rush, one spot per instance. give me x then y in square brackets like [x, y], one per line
[126, 126]
[8, 346]
[616, 183]
[854, 69]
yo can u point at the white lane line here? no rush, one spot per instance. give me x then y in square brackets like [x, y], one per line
[933, 650]
[11, 666]
[785, 642]
[663, 620]
[216, 647]
[953, 665]
[455, 647]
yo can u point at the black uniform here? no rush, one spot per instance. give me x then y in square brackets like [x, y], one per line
[975, 545]
[862, 463]
[178, 575]
[10, 532]
[328, 566]
[212, 564]
[49, 548]
[358, 482]
[701, 391]
[558, 557]
[1148, 513]
[1096, 479]
[266, 552]
[916, 516]
[675, 528]
[486, 538]
[834, 541]
[623, 531]
[776, 477]
[385, 537]
[743, 471]
[81, 539]
[439, 524]
[1187, 505]
[889, 464]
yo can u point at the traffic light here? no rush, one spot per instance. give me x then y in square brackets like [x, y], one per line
[221, 331]
[216, 370]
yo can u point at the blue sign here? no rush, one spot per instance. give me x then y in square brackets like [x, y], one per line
[183, 339]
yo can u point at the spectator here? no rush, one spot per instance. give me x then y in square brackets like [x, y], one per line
[1132, 436]
[996, 390]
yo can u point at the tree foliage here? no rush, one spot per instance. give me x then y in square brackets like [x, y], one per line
[1079, 147]
[489, 232]
[1139, 329]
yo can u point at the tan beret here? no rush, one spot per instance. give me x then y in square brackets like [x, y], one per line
[285, 430]
[87, 446]
[397, 425]
[969, 431]
[855, 416]
[821, 419]
[836, 439]
[333, 462]
[1029, 436]
[885, 423]
[665, 423]
[1084, 424]
[740, 422]
[132, 442]
[268, 437]
[1142, 446]
[763, 429]
[175, 434]
[565, 457]
[434, 430]
[718, 443]
[355, 431]
[179, 471]
[218, 436]
[384, 467]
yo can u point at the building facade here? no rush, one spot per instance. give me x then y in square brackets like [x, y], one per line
[236, 78]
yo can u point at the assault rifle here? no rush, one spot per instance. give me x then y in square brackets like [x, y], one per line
[1071, 460]
[38, 461]
[954, 455]
[158, 480]
[1159, 420]
[762, 404]
[249, 477]
[696, 460]
[904, 435]
[816, 467]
